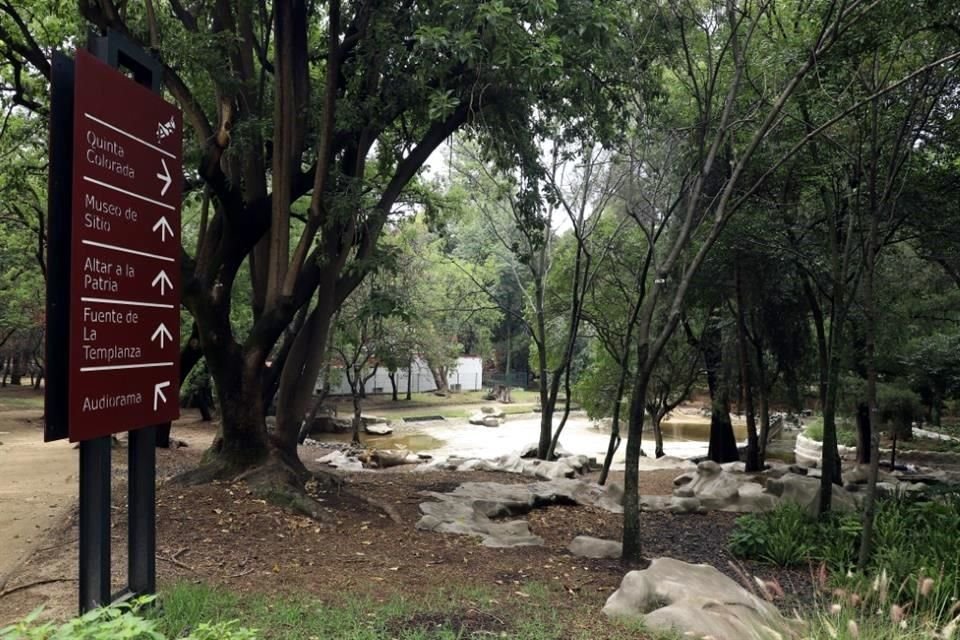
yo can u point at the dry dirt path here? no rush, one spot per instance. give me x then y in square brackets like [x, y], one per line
[38, 482]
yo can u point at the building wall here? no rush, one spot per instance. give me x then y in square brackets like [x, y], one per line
[468, 373]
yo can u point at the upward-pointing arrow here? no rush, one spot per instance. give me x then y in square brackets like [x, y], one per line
[158, 393]
[162, 279]
[164, 228]
[161, 332]
[165, 177]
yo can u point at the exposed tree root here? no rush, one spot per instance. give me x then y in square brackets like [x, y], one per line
[282, 480]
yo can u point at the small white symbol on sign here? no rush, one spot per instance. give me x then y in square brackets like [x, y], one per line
[164, 228]
[165, 177]
[165, 129]
[161, 332]
[158, 393]
[162, 279]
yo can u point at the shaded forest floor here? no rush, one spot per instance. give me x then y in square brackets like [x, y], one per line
[222, 537]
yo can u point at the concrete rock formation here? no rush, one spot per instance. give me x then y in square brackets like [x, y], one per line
[470, 508]
[694, 600]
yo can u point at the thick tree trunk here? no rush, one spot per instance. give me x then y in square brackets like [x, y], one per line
[242, 443]
[16, 371]
[723, 443]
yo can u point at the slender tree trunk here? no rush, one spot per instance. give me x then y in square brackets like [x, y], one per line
[864, 428]
[753, 462]
[393, 385]
[410, 380]
[830, 461]
[657, 417]
[632, 548]
[566, 414]
[304, 360]
[763, 396]
[870, 339]
[357, 416]
[615, 424]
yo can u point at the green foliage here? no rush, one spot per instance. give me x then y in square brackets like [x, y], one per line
[913, 538]
[437, 615]
[899, 407]
[784, 537]
[846, 434]
[125, 621]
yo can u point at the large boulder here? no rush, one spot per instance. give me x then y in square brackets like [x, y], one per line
[805, 491]
[694, 600]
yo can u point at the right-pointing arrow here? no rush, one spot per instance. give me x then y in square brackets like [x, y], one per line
[158, 393]
[162, 279]
[164, 228]
[161, 332]
[164, 177]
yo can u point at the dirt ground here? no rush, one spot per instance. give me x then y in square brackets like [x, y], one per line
[221, 535]
[37, 483]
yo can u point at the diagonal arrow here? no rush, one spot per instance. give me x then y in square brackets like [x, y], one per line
[160, 332]
[165, 177]
[164, 228]
[158, 393]
[162, 279]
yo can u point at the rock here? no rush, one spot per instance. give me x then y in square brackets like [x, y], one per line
[805, 491]
[468, 509]
[530, 451]
[714, 487]
[734, 467]
[378, 429]
[686, 505]
[385, 458]
[588, 547]
[694, 600]
[477, 419]
[491, 421]
[709, 467]
[339, 460]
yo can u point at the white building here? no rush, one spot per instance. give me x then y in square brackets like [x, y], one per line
[467, 375]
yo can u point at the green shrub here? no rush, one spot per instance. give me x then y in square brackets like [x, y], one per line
[914, 538]
[846, 434]
[116, 622]
[785, 536]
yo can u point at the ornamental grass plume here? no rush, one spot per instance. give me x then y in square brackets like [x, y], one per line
[853, 629]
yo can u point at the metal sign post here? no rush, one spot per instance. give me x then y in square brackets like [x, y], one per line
[114, 289]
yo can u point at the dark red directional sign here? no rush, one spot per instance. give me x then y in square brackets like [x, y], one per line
[125, 255]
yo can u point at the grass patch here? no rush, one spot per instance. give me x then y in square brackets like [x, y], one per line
[846, 434]
[452, 613]
[447, 614]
